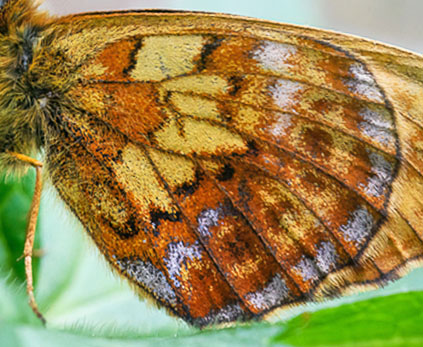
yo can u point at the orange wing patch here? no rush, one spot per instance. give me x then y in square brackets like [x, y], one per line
[244, 170]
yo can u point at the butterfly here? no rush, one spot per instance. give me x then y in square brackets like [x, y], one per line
[225, 166]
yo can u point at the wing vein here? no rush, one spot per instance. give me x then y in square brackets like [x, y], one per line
[66, 129]
[286, 186]
[252, 227]
[296, 115]
[419, 237]
[194, 230]
[226, 73]
[303, 159]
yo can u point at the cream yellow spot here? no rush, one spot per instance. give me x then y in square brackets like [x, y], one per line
[110, 208]
[419, 150]
[342, 157]
[195, 106]
[284, 243]
[335, 115]
[296, 220]
[257, 91]
[200, 137]
[93, 70]
[245, 270]
[298, 224]
[307, 68]
[198, 84]
[407, 190]
[248, 119]
[167, 56]
[90, 99]
[138, 177]
[267, 195]
[212, 166]
[175, 170]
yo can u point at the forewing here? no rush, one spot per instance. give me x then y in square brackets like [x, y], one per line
[227, 166]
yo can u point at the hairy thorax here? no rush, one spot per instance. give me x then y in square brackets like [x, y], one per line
[31, 91]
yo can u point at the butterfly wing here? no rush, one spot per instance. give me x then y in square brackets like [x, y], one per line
[228, 166]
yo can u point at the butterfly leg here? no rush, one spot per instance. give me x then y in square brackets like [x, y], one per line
[30, 233]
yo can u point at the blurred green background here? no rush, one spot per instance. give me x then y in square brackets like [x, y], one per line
[85, 303]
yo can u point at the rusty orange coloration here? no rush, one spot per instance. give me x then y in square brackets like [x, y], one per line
[225, 166]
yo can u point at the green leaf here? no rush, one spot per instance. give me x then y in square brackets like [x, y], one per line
[395, 320]
[27, 336]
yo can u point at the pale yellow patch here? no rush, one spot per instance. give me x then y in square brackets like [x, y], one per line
[398, 232]
[199, 137]
[72, 191]
[212, 166]
[342, 158]
[297, 225]
[138, 177]
[308, 63]
[419, 150]
[297, 222]
[379, 241]
[258, 122]
[284, 243]
[246, 270]
[267, 196]
[325, 202]
[93, 70]
[198, 84]
[248, 119]
[167, 56]
[407, 190]
[415, 100]
[335, 116]
[195, 106]
[175, 170]
[110, 208]
[90, 100]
